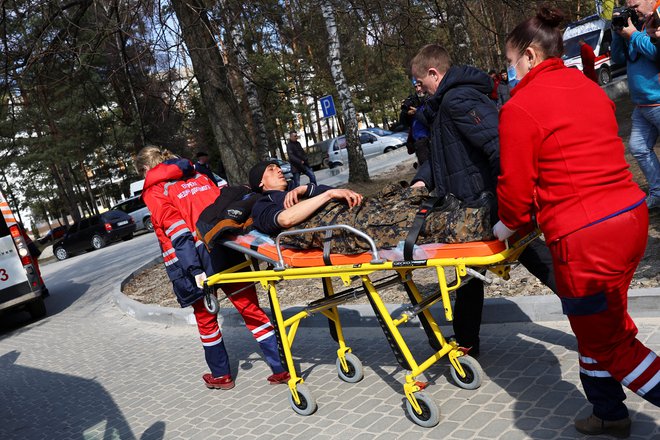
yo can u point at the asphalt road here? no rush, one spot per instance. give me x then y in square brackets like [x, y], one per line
[82, 284]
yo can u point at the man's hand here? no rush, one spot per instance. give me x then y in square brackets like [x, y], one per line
[412, 111]
[199, 280]
[293, 196]
[418, 184]
[351, 197]
[627, 31]
[653, 27]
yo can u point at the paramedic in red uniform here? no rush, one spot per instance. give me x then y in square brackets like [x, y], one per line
[562, 162]
[588, 61]
[176, 194]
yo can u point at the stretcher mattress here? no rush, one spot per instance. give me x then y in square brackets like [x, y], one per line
[265, 245]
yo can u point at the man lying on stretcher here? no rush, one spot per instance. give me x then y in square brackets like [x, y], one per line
[387, 218]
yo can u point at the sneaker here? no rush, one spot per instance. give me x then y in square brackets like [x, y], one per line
[278, 378]
[592, 425]
[219, 383]
[653, 202]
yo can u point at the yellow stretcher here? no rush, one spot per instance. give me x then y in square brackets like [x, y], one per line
[465, 260]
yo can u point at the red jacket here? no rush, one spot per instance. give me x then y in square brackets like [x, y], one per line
[175, 195]
[560, 154]
[588, 62]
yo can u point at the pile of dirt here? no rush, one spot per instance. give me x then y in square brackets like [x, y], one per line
[153, 287]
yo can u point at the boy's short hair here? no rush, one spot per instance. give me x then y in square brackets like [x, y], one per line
[202, 154]
[430, 56]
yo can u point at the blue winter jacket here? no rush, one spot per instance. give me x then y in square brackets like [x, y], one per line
[464, 157]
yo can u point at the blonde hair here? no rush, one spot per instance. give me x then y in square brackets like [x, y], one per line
[430, 56]
[149, 157]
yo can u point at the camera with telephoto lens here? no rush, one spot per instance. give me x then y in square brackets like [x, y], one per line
[620, 21]
[411, 101]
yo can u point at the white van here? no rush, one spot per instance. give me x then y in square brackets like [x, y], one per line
[597, 33]
[136, 188]
[20, 282]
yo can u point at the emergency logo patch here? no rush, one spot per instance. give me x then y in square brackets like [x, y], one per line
[476, 117]
[234, 213]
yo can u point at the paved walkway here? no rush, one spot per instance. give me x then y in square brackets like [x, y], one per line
[107, 376]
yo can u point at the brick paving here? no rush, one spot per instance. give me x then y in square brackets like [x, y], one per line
[104, 375]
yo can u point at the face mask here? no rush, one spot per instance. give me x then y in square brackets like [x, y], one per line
[511, 72]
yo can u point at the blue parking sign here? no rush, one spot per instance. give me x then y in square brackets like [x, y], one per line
[328, 106]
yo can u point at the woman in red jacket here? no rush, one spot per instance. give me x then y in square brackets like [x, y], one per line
[175, 195]
[562, 164]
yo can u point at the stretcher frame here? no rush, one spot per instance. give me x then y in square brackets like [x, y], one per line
[421, 408]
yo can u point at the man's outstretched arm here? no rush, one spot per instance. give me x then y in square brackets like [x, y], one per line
[302, 210]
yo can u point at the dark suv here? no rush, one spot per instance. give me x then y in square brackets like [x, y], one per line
[94, 233]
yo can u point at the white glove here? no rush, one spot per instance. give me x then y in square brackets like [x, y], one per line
[199, 280]
[501, 231]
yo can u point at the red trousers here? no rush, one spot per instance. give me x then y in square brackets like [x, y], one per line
[593, 270]
[256, 320]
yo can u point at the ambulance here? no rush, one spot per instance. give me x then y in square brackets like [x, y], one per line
[21, 286]
[597, 33]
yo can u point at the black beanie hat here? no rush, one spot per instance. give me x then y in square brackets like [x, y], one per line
[257, 173]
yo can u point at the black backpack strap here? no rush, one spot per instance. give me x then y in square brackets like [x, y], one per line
[417, 225]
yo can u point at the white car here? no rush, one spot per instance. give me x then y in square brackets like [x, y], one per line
[371, 143]
[401, 135]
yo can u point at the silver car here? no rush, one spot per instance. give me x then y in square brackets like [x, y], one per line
[136, 208]
[371, 144]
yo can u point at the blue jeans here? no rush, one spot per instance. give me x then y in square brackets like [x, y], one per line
[308, 172]
[644, 134]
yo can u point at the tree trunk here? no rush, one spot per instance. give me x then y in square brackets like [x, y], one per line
[318, 120]
[232, 23]
[458, 33]
[357, 165]
[237, 151]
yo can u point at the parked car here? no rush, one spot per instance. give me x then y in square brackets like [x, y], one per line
[53, 234]
[94, 233]
[401, 135]
[371, 144]
[137, 209]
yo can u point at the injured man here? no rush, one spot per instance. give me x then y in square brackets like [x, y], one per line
[388, 218]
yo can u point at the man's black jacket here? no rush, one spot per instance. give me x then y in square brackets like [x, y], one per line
[465, 157]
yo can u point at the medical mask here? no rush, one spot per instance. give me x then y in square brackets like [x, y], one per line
[511, 72]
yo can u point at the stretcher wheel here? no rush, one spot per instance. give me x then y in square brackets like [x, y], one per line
[211, 303]
[307, 403]
[355, 371]
[430, 415]
[473, 373]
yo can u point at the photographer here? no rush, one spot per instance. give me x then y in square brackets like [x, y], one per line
[418, 134]
[636, 48]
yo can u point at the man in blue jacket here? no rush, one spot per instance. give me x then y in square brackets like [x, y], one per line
[465, 161]
[636, 48]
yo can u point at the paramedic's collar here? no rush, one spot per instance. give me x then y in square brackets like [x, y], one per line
[172, 169]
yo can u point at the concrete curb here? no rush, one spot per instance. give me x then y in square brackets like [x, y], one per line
[540, 308]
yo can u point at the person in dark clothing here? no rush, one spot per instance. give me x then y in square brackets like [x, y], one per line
[496, 84]
[465, 161]
[298, 160]
[386, 217]
[202, 167]
[503, 89]
[418, 133]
